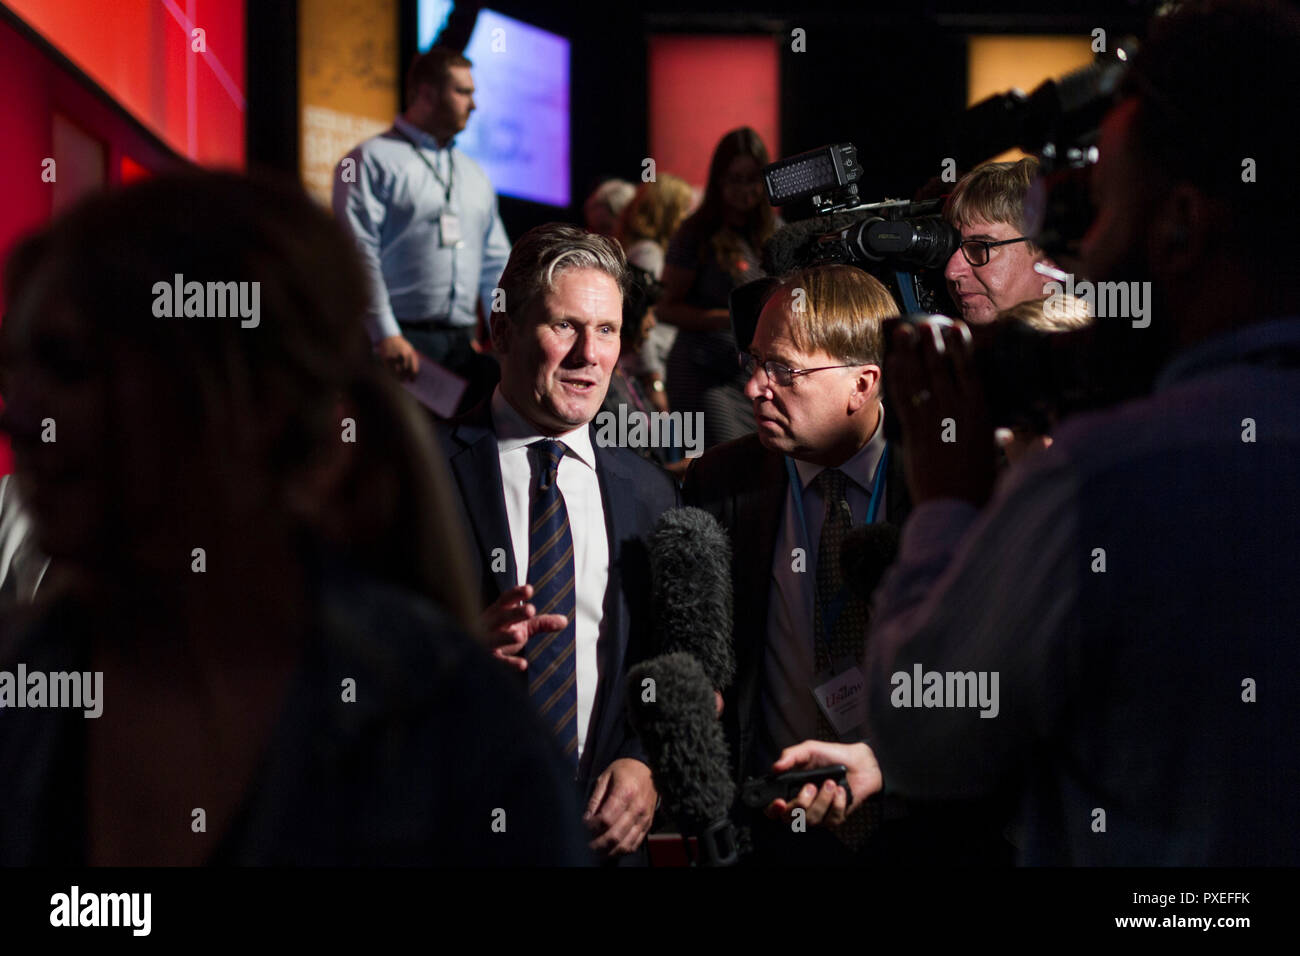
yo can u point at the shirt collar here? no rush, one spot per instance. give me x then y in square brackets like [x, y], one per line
[514, 431]
[861, 468]
[422, 139]
[1229, 348]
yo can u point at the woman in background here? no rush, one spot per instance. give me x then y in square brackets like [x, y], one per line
[716, 249]
[649, 222]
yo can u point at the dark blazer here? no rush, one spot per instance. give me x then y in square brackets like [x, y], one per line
[635, 494]
[744, 485]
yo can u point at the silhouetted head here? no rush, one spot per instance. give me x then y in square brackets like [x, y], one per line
[182, 360]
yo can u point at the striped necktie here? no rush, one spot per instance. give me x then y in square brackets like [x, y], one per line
[552, 670]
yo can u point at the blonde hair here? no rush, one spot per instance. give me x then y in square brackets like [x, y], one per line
[993, 192]
[1067, 313]
[837, 309]
[656, 211]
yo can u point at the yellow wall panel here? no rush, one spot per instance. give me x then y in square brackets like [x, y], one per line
[995, 64]
[348, 87]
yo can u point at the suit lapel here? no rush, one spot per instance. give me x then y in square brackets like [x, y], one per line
[618, 494]
[773, 487]
[757, 522]
[898, 503]
[756, 515]
[476, 465]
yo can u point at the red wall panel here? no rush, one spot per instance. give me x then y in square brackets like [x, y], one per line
[141, 53]
[34, 88]
[703, 86]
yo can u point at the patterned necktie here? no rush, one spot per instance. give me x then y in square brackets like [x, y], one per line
[552, 671]
[848, 629]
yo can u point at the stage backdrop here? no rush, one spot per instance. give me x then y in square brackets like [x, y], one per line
[347, 81]
[176, 65]
[995, 64]
[701, 87]
[98, 93]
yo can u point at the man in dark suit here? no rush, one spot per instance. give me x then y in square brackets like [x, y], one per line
[814, 380]
[558, 523]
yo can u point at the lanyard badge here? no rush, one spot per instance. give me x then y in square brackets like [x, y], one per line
[841, 692]
[449, 231]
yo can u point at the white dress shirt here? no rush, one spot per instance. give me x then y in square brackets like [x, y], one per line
[789, 711]
[580, 487]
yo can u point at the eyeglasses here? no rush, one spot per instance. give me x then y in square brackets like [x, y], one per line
[976, 251]
[783, 375]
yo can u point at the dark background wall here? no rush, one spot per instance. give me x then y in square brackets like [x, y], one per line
[887, 76]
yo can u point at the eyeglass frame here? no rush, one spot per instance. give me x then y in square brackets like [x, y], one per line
[988, 245]
[745, 358]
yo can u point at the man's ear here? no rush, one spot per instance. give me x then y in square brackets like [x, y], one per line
[1183, 230]
[866, 386]
[417, 98]
[499, 328]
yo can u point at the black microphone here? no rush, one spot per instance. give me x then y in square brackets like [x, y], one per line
[690, 575]
[670, 700]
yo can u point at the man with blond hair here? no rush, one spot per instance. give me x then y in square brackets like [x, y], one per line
[817, 467]
[993, 268]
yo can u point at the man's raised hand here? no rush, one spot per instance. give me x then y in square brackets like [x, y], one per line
[510, 621]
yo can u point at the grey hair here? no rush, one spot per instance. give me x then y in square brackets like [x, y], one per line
[546, 252]
[613, 194]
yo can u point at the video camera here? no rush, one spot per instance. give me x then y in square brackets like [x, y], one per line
[901, 243]
[1059, 123]
[1031, 378]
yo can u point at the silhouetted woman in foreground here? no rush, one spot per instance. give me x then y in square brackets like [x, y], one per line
[247, 520]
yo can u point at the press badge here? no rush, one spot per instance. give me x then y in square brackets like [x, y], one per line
[449, 230]
[843, 700]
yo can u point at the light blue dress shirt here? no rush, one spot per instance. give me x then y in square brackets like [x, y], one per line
[391, 202]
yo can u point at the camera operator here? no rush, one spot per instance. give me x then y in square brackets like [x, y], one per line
[993, 268]
[1066, 315]
[1132, 587]
[814, 384]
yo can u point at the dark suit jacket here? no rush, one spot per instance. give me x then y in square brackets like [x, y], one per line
[744, 485]
[635, 493]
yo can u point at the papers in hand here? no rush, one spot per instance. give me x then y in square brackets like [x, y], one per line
[436, 388]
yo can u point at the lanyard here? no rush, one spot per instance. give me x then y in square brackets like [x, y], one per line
[451, 165]
[831, 612]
